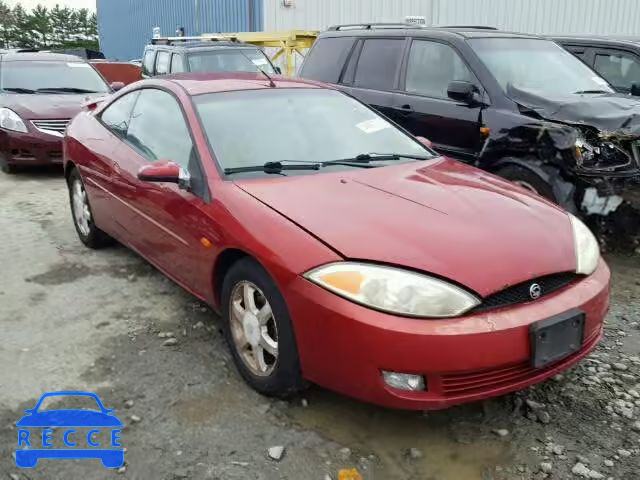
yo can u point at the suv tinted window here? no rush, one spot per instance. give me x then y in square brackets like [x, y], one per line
[176, 64]
[117, 115]
[619, 69]
[162, 63]
[432, 66]
[326, 58]
[158, 129]
[147, 62]
[378, 63]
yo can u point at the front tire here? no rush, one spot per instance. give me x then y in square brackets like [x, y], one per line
[82, 215]
[5, 166]
[258, 330]
[528, 179]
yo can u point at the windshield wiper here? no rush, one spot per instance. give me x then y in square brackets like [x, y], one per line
[579, 92]
[66, 90]
[375, 157]
[361, 161]
[273, 167]
[18, 90]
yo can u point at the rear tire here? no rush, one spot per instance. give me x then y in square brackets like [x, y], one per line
[529, 180]
[247, 292]
[82, 214]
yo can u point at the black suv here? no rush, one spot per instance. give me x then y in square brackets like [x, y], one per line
[514, 104]
[617, 59]
[165, 56]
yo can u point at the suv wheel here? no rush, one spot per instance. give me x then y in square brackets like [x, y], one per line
[528, 179]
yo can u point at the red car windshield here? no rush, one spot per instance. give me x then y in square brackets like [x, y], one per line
[50, 76]
[252, 127]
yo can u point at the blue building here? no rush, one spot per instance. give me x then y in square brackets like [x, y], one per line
[126, 26]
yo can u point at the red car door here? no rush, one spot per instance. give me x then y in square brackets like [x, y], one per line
[99, 166]
[164, 223]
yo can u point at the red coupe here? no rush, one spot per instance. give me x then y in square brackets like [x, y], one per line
[338, 248]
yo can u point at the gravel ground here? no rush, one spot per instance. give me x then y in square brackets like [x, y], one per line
[75, 319]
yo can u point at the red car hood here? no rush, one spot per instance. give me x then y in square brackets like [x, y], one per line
[444, 218]
[45, 106]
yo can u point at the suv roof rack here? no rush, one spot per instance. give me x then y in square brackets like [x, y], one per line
[370, 26]
[475, 27]
[186, 40]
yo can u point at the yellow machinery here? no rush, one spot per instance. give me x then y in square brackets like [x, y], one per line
[288, 43]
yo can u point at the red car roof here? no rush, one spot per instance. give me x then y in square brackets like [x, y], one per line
[199, 83]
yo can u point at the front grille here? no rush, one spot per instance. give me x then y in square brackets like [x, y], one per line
[49, 126]
[520, 293]
[478, 381]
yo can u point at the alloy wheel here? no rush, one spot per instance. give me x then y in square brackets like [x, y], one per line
[253, 328]
[81, 211]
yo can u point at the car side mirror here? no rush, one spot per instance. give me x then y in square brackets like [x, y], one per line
[278, 70]
[462, 91]
[115, 86]
[164, 171]
[635, 89]
[425, 141]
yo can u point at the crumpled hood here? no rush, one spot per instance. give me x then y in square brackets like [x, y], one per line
[610, 112]
[45, 106]
[439, 216]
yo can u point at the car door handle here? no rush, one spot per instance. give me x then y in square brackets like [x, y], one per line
[405, 109]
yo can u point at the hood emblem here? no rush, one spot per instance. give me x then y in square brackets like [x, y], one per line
[535, 290]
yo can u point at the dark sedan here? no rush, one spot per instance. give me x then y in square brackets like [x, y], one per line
[39, 94]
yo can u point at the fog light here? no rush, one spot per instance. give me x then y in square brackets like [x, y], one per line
[404, 381]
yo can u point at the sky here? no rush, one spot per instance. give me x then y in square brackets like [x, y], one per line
[29, 4]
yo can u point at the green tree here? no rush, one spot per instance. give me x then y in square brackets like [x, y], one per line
[22, 34]
[41, 25]
[60, 27]
[58, 20]
[7, 25]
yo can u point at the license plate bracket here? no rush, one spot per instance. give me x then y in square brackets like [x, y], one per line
[557, 337]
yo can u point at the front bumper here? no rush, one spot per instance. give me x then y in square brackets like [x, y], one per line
[31, 148]
[344, 346]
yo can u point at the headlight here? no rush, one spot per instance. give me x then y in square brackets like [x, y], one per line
[585, 152]
[9, 120]
[586, 245]
[393, 290]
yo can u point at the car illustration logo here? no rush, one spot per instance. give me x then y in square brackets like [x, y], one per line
[83, 433]
[535, 290]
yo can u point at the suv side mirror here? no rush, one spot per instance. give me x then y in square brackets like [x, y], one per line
[165, 172]
[278, 70]
[115, 86]
[462, 91]
[635, 89]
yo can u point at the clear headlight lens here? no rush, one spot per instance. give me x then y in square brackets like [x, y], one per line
[393, 290]
[586, 246]
[9, 120]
